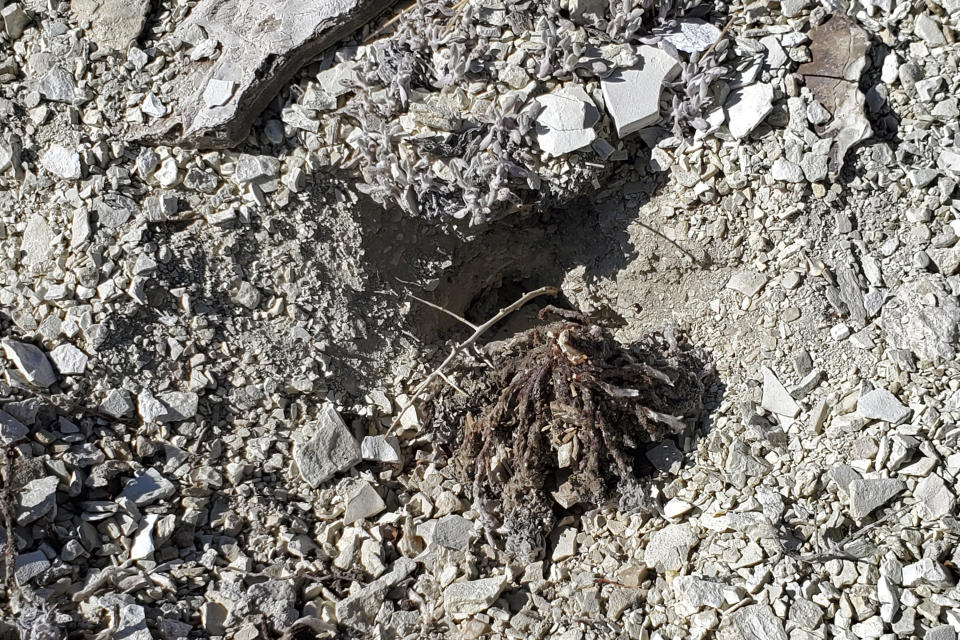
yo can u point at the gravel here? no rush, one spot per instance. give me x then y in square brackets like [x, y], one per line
[205, 350]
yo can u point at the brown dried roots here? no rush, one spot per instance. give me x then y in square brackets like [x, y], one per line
[562, 418]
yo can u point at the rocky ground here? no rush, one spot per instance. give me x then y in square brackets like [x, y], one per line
[203, 350]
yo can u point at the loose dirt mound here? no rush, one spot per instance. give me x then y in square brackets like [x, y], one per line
[560, 416]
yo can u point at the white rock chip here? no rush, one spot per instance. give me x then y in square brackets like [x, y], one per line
[748, 283]
[927, 571]
[464, 599]
[62, 162]
[668, 548]
[143, 541]
[153, 107]
[701, 593]
[147, 488]
[775, 396]
[329, 451]
[880, 404]
[453, 532]
[69, 360]
[747, 107]
[786, 171]
[363, 501]
[385, 449]
[38, 242]
[935, 498]
[925, 27]
[14, 20]
[871, 493]
[29, 361]
[29, 565]
[117, 403]
[693, 35]
[362, 605]
[632, 96]
[566, 121]
[757, 622]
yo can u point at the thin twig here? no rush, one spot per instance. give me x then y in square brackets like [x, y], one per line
[695, 259]
[723, 33]
[503, 313]
[446, 311]
[6, 507]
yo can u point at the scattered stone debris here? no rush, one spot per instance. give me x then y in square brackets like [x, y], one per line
[206, 345]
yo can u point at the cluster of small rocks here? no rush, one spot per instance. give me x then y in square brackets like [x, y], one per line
[199, 366]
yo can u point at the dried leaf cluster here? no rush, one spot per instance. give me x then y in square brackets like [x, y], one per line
[492, 165]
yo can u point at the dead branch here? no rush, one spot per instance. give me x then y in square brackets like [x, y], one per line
[6, 509]
[466, 344]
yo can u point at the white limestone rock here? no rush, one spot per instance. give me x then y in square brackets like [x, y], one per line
[29, 361]
[747, 108]
[464, 599]
[566, 121]
[330, 450]
[69, 360]
[62, 162]
[632, 96]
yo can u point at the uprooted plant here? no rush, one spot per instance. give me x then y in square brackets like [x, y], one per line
[559, 416]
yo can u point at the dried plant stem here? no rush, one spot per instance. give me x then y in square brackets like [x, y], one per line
[6, 507]
[446, 311]
[466, 344]
[723, 33]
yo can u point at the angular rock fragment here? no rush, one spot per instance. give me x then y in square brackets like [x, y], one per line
[747, 108]
[330, 450]
[29, 566]
[923, 317]
[363, 501]
[880, 404]
[464, 599]
[362, 605]
[632, 96]
[58, 85]
[872, 493]
[69, 360]
[566, 121]
[838, 55]
[37, 243]
[111, 24]
[757, 622]
[62, 162]
[11, 429]
[453, 532]
[147, 488]
[775, 396]
[748, 283]
[14, 20]
[669, 547]
[30, 361]
[113, 209]
[257, 48]
[385, 449]
[692, 35]
[37, 499]
[117, 403]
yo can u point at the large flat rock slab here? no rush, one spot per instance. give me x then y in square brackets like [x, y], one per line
[259, 47]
